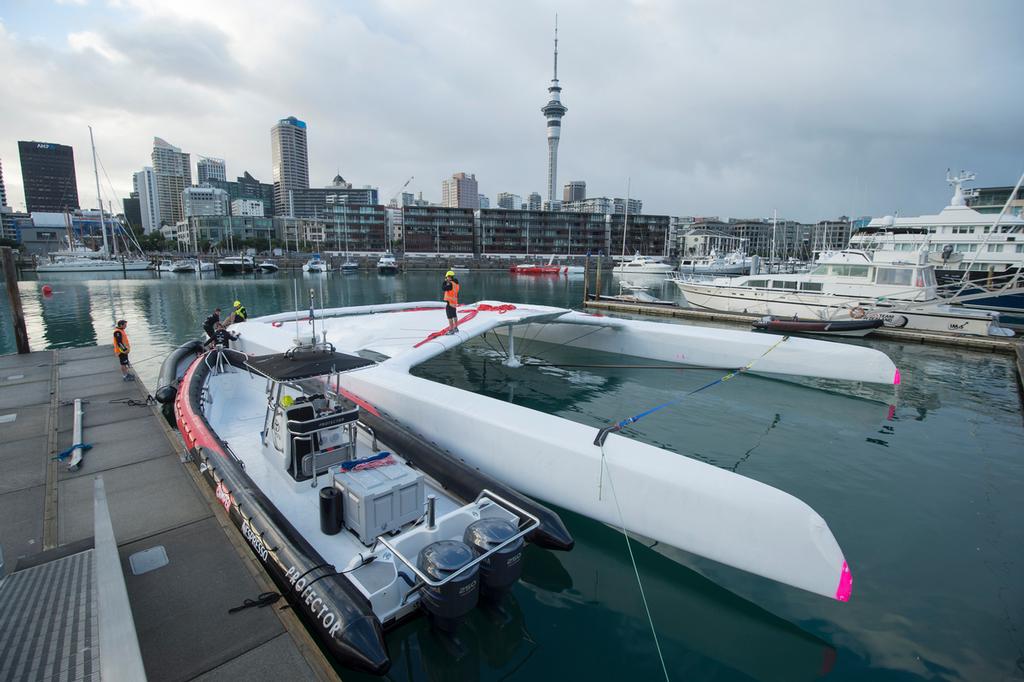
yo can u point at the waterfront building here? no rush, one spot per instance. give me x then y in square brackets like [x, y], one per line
[247, 207]
[603, 205]
[830, 235]
[553, 112]
[544, 233]
[992, 200]
[44, 231]
[48, 176]
[210, 169]
[348, 228]
[144, 185]
[132, 207]
[460, 191]
[315, 202]
[290, 161]
[201, 201]
[439, 229]
[773, 239]
[533, 202]
[574, 191]
[3, 189]
[248, 187]
[484, 201]
[9, 223]
[510, 201]
[646, 234]
[173, 169]
[222, 230]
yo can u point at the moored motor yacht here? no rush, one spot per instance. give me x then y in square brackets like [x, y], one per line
[733, 263]
[642, 265]
[386, 264]
[849, 284]
[233, 265]
[315, 264]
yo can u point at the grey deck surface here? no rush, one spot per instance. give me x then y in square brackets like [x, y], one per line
[48, 628]
[180, 609]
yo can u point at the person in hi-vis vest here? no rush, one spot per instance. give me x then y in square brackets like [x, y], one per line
[122, 346]
[450, 289]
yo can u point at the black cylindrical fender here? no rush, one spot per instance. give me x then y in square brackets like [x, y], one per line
[172, 369]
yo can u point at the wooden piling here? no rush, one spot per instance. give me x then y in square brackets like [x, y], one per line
[17, 314]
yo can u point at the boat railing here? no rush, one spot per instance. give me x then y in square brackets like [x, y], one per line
[489, 496]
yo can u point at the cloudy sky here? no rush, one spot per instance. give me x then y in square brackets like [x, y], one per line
[733, 109]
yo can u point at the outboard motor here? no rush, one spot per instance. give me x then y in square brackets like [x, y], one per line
[500, 570]
[448, 604]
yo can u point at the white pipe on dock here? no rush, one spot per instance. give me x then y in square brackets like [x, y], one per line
[76, 438]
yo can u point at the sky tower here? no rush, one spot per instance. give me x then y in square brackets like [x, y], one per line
[554, 110]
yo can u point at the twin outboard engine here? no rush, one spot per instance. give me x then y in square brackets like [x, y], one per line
[449, 603]
[499, 571]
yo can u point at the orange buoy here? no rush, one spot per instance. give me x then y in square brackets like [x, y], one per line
[47, 290]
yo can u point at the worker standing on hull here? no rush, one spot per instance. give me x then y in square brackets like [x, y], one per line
[450, 289]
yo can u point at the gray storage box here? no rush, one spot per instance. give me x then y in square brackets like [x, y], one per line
[378, 501]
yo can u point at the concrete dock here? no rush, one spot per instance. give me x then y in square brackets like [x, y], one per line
[992, 344]
[180, 608]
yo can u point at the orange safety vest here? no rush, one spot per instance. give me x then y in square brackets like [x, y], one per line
[451, 296]
[124, 341]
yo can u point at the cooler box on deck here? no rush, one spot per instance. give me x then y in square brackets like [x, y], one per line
[377, 501]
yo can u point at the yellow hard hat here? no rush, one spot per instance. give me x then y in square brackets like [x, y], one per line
[287, 401]
[238, 304]
[450, 273]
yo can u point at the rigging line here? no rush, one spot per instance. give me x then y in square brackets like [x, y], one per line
[602, 434]
[636, 569]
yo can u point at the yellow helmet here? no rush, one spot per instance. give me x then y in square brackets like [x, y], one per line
[450, 273]
[287, 401]
[238, 304]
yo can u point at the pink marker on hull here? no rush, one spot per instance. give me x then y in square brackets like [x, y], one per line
[896, 377]
[845, 584]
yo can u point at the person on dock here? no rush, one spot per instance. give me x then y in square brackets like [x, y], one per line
[239, 314]
[122, 346]
[450, 289]
[210, 324]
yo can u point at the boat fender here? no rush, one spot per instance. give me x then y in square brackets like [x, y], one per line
[856, 312]
[330, 510]
[895, 321]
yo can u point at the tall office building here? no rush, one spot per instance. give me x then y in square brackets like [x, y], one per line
[3, 190]
[205, 201]
[48, 174]
[509, 201]
[484, 202]
[553, 111]
[460, 191]
[144, 185]
[534, 202]
[574, 191]
[290, 159]
[210, 169]
[173, 169]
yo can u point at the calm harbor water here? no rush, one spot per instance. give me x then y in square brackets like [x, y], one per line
[922, 488]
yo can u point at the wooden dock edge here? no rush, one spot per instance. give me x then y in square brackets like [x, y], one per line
[318, 663]
[990, 344]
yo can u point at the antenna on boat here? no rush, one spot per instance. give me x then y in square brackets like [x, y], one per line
[312, 312]
[295, 286]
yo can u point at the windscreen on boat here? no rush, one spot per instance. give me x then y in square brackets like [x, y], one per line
[304, 364]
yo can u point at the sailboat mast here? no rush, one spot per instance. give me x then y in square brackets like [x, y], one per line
[625, 220]
[99, 201]
[775, 221]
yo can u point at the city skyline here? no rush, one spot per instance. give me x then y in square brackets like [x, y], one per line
[709, 114]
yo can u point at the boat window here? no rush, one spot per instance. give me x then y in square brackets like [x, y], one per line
[820, 270]
[849, 270]
[783, 284]
[1020, 248]
[929, 276]
[994, 247]
[810, 286]
[894, 276]
[758, 283]
[966, 247]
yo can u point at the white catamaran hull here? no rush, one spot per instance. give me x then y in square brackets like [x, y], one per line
[662, 495]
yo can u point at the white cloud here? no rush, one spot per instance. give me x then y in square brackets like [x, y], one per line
[814, 109]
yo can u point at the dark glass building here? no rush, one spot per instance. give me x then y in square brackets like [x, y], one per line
[48, 173]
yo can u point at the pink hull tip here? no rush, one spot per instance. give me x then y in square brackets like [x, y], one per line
[845, 584]
[896, 377]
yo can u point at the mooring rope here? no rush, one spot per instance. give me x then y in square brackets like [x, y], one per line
[602, 434]
[636, 570]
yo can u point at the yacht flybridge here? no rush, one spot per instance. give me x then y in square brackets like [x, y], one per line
[371, 495]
